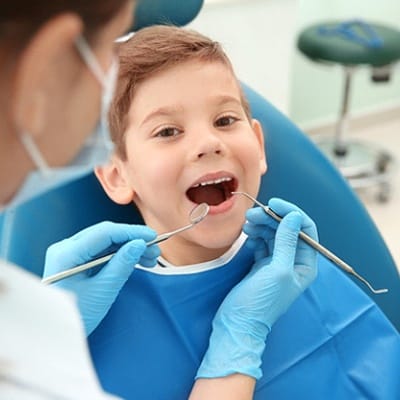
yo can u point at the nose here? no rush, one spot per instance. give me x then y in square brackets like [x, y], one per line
[209, 143]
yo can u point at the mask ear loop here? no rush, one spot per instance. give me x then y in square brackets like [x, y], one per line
[105, 79]
[111, 80]
[35, 154]
[86, 53]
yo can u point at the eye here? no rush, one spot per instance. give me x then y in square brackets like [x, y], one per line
[168, 132]
[225, 120]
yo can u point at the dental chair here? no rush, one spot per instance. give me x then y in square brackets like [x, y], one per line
[299, 172]
[172, 12]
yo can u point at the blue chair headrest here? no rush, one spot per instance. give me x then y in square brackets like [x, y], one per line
[161, 12]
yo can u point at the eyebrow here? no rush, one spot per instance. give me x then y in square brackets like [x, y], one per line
[170, 110]
[161, 112]
[220, 100]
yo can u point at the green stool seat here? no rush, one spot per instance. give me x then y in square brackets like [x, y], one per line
[351, 44]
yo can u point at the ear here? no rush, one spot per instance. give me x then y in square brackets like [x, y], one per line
[258, 131]
[114, 182]
[39, 66]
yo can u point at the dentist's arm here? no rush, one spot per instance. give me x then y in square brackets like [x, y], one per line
[231, 387]
[97, 292]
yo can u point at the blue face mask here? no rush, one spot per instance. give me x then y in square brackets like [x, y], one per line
[37, 183]
[95, 151]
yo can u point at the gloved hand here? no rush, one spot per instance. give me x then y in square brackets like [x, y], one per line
[284, 267]
[97, 291]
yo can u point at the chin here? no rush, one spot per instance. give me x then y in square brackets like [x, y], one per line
[219, 239]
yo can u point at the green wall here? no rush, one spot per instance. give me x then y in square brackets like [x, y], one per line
[315, 89]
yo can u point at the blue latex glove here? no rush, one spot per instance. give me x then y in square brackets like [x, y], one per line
[284, 267]
[97, 291]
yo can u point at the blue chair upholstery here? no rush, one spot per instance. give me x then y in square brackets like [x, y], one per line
[297, 171]
[300, 173]
[173, 12]
[31, 227]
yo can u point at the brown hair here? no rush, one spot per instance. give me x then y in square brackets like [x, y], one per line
[152, 50]
[20, 19]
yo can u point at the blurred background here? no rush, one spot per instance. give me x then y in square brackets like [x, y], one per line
[260, 38]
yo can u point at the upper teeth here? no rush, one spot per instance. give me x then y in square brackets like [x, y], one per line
[213, 182]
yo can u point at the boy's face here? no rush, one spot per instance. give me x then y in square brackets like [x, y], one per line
[189, 141]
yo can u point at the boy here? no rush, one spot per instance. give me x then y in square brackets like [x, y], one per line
[184, 135]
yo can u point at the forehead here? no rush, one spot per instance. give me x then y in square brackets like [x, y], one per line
[187, 81]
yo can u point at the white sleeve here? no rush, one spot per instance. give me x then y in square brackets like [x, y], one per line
[43, 349]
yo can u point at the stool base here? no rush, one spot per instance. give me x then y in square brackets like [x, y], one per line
[363, 164]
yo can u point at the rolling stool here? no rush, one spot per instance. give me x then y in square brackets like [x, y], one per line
[351, 44]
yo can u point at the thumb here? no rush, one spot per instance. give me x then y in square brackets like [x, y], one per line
[124, 260]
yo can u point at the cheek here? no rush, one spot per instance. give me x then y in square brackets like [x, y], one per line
[152, 173]
[251, 156]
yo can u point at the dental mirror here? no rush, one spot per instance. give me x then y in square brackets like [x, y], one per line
[198, 213]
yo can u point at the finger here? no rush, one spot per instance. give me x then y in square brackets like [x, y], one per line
[105, 234]
[121, 265]
[305, 274]
[152, 251]
[305, 253]
[258, 231]
[286, 238]
[149, 257]
[261, 252]
[257, 216]
[259, 248]
[148, 262]
[253, 243]
[92, 241]
[282, 208]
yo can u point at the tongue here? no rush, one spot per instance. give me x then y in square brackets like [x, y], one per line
[210, 194]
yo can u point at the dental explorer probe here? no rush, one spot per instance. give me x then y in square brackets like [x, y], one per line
[196, 215]
[315, 245]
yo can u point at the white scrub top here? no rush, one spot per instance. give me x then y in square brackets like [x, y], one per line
[43, 351]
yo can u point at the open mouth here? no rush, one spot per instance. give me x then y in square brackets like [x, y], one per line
[213, 192]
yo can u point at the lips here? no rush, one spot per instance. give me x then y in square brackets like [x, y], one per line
[212, 190]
